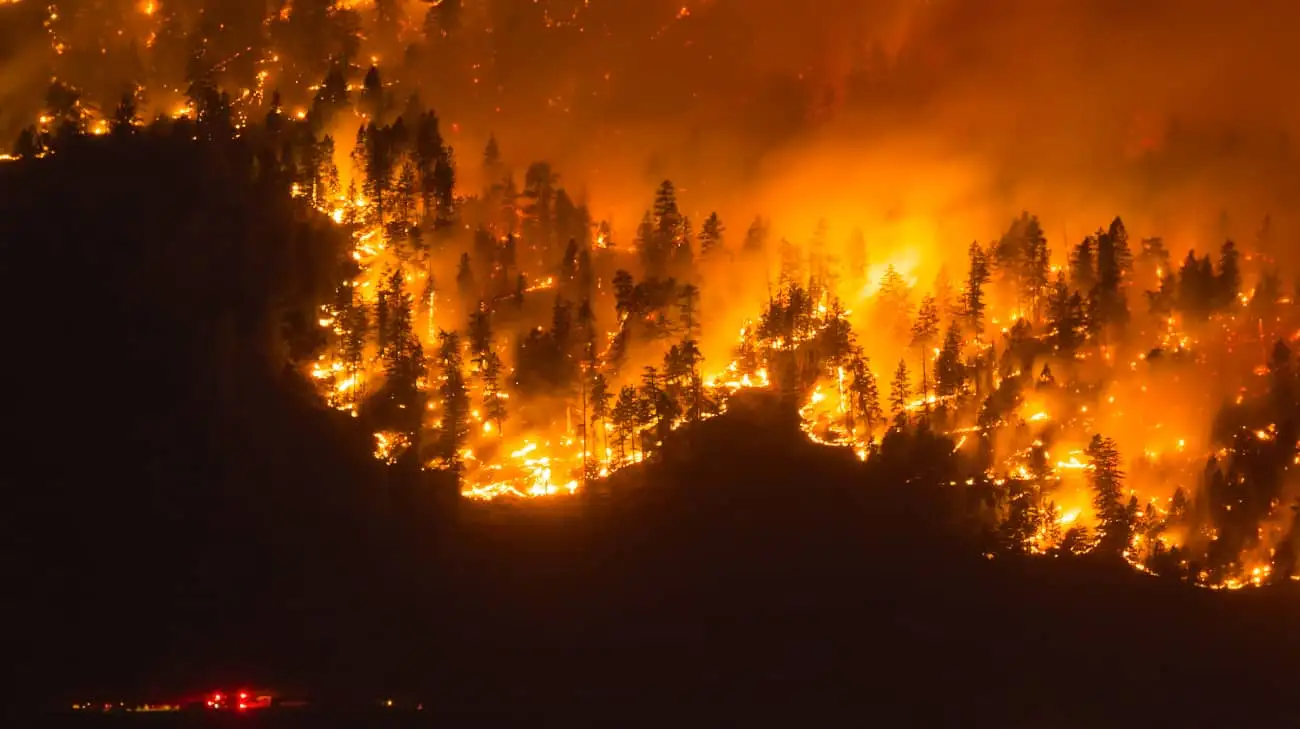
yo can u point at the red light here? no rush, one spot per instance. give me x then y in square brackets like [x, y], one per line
[217, 697]
[242, 706]
[243, 695]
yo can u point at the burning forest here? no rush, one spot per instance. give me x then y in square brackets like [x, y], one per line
[534, 330]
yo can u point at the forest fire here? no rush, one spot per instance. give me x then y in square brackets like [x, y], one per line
[1090, 393]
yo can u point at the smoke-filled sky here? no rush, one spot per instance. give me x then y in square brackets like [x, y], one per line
[947, 116]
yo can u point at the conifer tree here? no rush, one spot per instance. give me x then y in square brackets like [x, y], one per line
[976, 277]
[866, 394]
[480, 335]
[454, 426]
[711, 236]
[1229, 279]
[1083, 264]
[900, 394]
[372, 94]
[1065, 316]
[125, 116]
[924, 331]
[494, 402]
[624, 295]
[1107, 485]
[949, 369]
[625, 417]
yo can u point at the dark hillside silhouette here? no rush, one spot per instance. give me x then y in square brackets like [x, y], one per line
[182, 511]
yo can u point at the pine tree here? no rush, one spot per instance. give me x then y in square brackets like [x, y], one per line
[1065, 316]
[900, 394]
[454, 426]
[625, 416]
[949, 369]
[976, 278]
[924, 331]
[866, 394]
[125, 116]
[711, 236]
[351, 317]
[624, 295]
[404, 199]
[494, 402]
[1083, 264]
[372, 94]
[402, 355]
[1107, 484]
[683, 256]
[1038, 266]
[1114, 261]
[652, 247]
[1229, 279]
[480, 335]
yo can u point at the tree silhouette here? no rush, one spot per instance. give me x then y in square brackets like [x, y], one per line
[454, 395]
[900, 394]
[494, 401]
[1107, 482]
[976, 277]
[1229, 279]
[924, 331]
[866, 395]
[949, 369]
[711, 236]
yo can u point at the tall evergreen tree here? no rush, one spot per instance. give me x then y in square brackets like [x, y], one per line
[494, 401]
[924, 331]
[949, 369]
[866, 394]
[976, 277]
[1229, 279]
[900, 394]
[372, 94]
[454, 425]
[711, 236]
[1065, 316]
[1107, 481]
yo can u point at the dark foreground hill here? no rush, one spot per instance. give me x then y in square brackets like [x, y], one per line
[758, 581]
[181, 514]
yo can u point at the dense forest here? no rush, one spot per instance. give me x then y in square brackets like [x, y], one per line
[345, 374]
